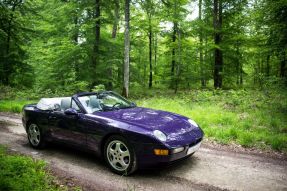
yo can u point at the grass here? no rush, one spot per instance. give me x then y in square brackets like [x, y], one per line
[14, 106]
[24, 173]
[250, 118]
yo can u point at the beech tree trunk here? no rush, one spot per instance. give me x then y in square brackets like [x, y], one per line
[95, 57]
[283, 65]
[202, 75]
[76, 41]
[155, 54]
[114, 35]
[6, 65]
[173, 48]
[218, 58]
[173, 55]
[116, 18]
[178, 64]
[127, 50]
[268, 65]
[150, 54]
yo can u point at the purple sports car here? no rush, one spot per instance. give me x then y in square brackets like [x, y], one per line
[128, 137]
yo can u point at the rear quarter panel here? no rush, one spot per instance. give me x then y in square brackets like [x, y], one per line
[31, 114]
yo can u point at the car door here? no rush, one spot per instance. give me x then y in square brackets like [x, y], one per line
[68, 128]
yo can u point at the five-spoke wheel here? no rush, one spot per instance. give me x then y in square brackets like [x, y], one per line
[119, 155]
[34, 136]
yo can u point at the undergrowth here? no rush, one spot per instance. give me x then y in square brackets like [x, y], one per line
[24, 173]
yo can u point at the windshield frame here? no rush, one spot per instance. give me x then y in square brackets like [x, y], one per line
[83, 109]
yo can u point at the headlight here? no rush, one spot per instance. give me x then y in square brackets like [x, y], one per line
[160, 135]
[192, 122]
[177, 150]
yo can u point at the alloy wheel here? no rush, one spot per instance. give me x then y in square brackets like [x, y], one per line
[34, 134]
[118, 155]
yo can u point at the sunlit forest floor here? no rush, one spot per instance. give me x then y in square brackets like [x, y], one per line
[251, 118]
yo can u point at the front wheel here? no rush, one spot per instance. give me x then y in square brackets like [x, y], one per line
[35, 136]
[120, 155]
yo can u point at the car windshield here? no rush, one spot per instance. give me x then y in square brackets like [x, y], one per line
[105, 101]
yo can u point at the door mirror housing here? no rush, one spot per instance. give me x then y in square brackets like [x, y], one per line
[133, 104]
[71, 111]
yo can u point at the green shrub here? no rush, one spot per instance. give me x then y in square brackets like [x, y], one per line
[23, 173]
[98, 88]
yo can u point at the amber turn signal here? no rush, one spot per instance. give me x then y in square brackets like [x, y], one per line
[160, 152]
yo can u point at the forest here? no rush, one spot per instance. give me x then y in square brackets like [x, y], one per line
[222, 62]
[72, 45]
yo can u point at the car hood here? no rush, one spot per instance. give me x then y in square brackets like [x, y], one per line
[175, 126]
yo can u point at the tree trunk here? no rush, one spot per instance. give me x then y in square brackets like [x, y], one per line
[95, 57]
[6, 65]
[75, 38]
[114, 34]
[178, 64]
[218, 59]
[116, 19]
[259, 72]
[173, 62]
[268, 65]
[150, 54]
[237, 63]
[241, 73]
[173, 49]
[155, 54]
[127, 50]
[202, 76]
[283, 65]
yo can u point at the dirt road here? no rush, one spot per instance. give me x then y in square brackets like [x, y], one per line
[210, 168]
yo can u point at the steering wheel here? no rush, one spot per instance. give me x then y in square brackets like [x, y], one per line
[114, 106]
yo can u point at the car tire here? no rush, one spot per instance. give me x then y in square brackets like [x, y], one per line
[35, 136]
[119, 155]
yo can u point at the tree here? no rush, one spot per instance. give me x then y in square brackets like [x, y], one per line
[116, 18]
[14, 33]
[96, 55]
[202, 76]
[218, 58]
[127, 50]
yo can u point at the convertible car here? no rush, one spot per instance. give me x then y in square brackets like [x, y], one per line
[126, 136]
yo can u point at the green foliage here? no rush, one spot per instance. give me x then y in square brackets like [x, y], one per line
[24, 173]
[50, 46]
[99, 87]
[15, 33]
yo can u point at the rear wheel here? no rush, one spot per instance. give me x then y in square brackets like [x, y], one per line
[35, 136]
[120, 155]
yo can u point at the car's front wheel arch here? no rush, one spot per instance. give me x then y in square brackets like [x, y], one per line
[28, 123]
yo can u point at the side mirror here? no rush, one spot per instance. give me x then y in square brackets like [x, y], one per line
[71, 111]
[133, 104]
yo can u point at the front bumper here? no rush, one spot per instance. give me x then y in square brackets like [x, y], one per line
[147, 159]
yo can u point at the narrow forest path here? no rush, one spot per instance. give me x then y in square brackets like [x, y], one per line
[209, 169]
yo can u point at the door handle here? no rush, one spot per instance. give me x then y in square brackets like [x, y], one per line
[52, 117]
